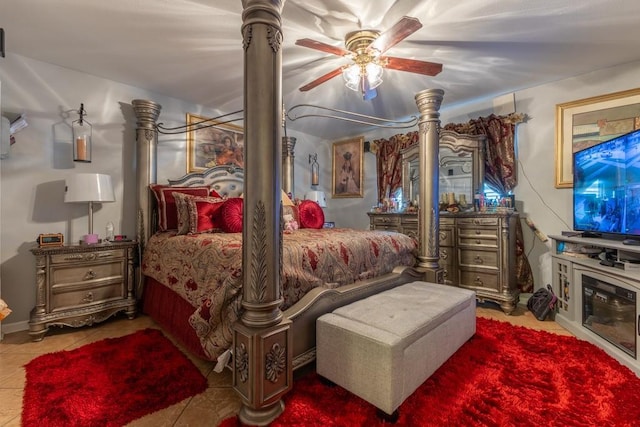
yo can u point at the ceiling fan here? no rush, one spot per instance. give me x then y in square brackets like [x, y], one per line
[365, 48]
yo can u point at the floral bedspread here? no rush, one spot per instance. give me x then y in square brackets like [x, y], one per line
[206, 270]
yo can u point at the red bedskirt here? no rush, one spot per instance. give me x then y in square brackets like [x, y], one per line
[172, 313]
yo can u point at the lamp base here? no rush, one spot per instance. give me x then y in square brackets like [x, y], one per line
[90, 239]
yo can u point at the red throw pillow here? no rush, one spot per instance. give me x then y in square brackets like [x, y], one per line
[231, 215]
[311, 214]
[202, 214]
[167, 212]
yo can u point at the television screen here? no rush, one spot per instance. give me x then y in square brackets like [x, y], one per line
[606, 186]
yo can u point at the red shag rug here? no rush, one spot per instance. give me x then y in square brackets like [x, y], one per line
[503, 376]
[108, 383]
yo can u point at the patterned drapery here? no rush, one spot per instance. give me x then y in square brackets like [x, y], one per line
[389, 162]
[500, 172]
[500, 155]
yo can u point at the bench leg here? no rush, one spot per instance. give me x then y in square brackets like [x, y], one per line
[392, 419]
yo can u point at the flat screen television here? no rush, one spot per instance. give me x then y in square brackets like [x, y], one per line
[606, 187]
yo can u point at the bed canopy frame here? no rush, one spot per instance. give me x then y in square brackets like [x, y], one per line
[263, 344]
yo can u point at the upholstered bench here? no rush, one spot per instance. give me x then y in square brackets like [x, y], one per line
[383, 347]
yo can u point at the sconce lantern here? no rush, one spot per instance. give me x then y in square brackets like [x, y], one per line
[81, 138]
[315, 169]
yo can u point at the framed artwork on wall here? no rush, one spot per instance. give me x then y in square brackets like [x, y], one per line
[587, 122]
[220, 144]
[347, 168]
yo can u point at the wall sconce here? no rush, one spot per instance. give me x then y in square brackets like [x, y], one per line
[81, 138]
[315, 169]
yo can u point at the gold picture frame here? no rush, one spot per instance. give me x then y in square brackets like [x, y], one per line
[220, 144]
[587, 122]
[347, 168]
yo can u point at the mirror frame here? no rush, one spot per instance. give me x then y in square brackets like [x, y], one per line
[457, 143]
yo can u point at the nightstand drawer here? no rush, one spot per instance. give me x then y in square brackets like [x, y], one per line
[87, 273]
[478, 221]
[480, 280]
[77, 257]
[64, 297]
[388, 221]
[481, 259]
[482, 233]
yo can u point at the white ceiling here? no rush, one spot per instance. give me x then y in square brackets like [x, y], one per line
[192, 49]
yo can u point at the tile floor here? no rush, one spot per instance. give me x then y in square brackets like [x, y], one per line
[206, 409]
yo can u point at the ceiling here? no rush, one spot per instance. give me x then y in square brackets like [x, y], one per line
[192, 49]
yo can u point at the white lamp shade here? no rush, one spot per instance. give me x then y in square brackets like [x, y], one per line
[89, 187]
[317, 196]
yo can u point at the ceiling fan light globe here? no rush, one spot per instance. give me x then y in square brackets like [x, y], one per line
[351, 76]
[374, 75]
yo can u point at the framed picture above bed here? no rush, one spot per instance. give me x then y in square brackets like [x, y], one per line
[221, 144]
[347, 168]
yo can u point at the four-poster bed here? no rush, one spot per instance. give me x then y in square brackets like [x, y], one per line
[268, 343]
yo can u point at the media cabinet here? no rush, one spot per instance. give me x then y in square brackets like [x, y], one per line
[599, 303]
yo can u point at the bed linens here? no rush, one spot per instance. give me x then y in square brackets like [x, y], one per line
[206, 270]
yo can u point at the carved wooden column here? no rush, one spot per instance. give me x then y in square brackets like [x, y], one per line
[147, 113]
[262, 342]
[288, 177]
[428, 102]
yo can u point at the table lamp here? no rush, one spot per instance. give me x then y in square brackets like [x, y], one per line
[89, 187]
[317, 196]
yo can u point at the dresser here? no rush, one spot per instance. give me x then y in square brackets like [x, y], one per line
[82, 285]
[477, 250]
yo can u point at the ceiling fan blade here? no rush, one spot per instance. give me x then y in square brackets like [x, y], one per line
[412, 65]
[394, 35]
[313, 44]
[321, 79]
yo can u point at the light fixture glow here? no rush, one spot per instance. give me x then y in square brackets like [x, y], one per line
[355, 75]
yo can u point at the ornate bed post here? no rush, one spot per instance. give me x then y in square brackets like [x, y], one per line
[288, 145]
[428, 102]
[262, 342]
[147, 113]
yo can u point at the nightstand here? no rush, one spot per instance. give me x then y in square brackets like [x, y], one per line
[82, 285]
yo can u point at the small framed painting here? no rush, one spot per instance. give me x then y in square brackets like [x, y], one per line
[347, 168]
[210, 144]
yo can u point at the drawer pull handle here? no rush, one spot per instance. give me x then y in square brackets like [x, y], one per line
[478, 241]
[476, 221]
[478, 231]
[478, 281]
[88, 297]
[90, 275]
[478, 259]
[444, 255]
[445, 273]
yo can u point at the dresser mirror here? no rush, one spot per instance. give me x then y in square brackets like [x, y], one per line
[461, 169]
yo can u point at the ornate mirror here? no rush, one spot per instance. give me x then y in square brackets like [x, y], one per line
[461, 168]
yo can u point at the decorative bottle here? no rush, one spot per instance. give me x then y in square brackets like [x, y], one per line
[109, 235]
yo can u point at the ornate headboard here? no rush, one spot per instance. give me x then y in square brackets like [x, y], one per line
[228, 181]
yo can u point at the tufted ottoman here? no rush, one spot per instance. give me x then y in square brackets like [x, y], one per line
[383, 347]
